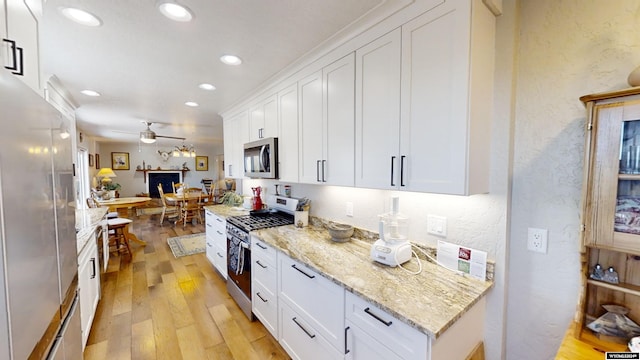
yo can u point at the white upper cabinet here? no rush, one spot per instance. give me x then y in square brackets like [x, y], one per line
[447, 87]
[236, 134]
[288, 138]
[310, 127]
[377, 139]
[263, 120]
[20, 45]
[326, 124]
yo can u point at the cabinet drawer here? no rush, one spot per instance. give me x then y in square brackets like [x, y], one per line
[361, 346]
[319, 299]
[265, 307]
[262, 249]
[264, 272]
[210, 249]
[301, 339]
[399, 337]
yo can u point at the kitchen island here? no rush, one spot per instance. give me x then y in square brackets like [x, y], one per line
[430, 302]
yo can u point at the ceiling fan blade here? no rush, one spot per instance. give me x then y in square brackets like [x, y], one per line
[171, 137]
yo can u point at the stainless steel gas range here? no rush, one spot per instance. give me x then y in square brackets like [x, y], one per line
[279, 213]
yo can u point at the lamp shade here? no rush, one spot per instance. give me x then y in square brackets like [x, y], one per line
[106, 172]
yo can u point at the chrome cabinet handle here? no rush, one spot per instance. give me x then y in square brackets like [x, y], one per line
[388, 323]
[307, 275]
[261, 246]
[93, 268]
[17, 58]
[259, 263]
[219, 255]
[393, 160]
[324, 162]
[318, 171]
[303, 329]
[261, 298]
[218, 231]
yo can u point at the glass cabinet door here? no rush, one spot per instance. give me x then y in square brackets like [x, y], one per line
[615, 180]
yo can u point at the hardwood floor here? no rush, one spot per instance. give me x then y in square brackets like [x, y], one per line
[157, 307]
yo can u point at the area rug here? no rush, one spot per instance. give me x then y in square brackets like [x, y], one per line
[187, 244]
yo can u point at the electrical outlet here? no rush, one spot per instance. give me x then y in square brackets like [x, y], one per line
[537, 240]
[437, 225]
[349, 208]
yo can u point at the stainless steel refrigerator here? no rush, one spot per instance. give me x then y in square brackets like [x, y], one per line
[38, 260]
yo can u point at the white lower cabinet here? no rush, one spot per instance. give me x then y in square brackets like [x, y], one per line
[264, 285]
[216, 241]
[316, 299]
[301, 339]
[89, 286]
[361, 346]
[375, 334]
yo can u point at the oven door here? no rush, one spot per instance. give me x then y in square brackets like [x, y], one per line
[239, 262]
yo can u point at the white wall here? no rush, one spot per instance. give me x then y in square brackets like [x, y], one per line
[132, 181]
[567, 49]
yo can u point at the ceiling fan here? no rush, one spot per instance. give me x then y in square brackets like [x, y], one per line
[149, 136]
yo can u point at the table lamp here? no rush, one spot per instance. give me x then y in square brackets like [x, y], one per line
[106, 174]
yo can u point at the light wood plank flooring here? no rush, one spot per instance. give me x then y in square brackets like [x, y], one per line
[157, 307]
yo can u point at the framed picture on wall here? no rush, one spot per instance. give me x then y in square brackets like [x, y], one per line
[90, 160]
[202, 163]
[97, 161]
[120, 161]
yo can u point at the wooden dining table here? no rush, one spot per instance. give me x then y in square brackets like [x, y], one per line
[125, 202]
[172, 198]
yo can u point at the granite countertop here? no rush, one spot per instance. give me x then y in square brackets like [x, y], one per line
[430, 302]
[226, 211]
[86, 222]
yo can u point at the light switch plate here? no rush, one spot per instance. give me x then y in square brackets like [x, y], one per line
[437, 225]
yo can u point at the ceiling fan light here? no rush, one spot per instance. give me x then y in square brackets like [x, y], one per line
[147, 137]
[175, 12]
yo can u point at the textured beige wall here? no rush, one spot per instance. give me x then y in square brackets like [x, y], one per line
[566, 49]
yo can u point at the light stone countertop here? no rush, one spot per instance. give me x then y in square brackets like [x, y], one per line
[430, 302]
[226, 211]
[86, 222]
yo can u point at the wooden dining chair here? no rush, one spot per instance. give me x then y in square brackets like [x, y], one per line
[168, 212]
[191, 207]
[177, 186]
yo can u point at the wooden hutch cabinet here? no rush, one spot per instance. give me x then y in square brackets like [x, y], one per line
[611, 206]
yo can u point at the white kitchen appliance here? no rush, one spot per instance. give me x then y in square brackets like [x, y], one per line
[393, 247]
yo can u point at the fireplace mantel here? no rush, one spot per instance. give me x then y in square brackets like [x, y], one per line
[183, 171]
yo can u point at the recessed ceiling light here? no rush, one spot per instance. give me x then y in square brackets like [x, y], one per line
[205, 86]
[191, 103]
[90, 92]
[175, 12]
[80, 16]
[231, 60]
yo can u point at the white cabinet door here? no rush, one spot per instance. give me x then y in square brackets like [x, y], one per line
[236, 134]
[377, 112]
[445, 143]
[338, 162]
[89, 286]
[22, 27]
[288, 138]
[360, 346]
[310, 128]
[263, 119]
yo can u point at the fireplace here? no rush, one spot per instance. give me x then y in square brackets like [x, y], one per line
[162, 177]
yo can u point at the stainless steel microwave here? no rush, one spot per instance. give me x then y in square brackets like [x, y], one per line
[261, 158]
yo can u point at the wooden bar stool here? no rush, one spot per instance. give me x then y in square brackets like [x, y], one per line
[118, 234]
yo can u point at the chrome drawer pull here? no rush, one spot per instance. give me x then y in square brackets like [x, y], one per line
[259, 263]
[346, 349]
[388, 323]
[261, 298]
[261, 246]
[307, 275]
[303, 329]
[219, 255]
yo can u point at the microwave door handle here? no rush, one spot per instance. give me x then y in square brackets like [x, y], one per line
[263, 148]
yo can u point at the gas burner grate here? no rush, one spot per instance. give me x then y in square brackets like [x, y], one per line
[250, 223]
